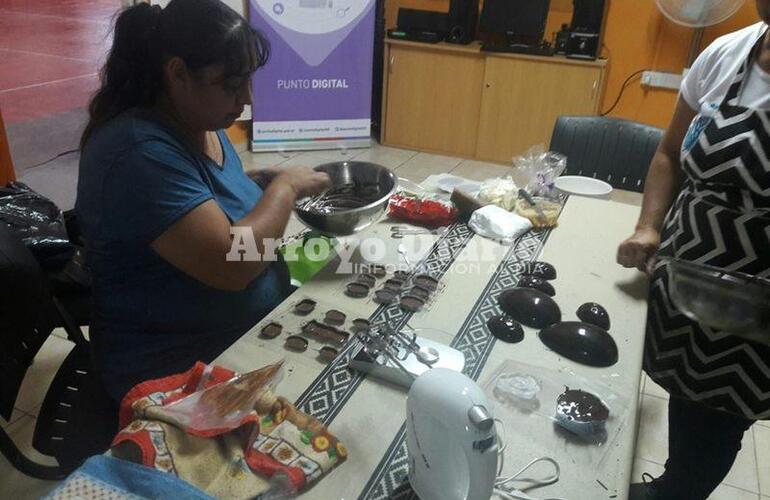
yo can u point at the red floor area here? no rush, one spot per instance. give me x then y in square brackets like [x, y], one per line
[50, 54]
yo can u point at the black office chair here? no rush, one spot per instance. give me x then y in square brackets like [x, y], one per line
[77, 418]
[611, 149]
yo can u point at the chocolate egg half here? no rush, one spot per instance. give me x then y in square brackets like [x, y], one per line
[540, 269]
[530, 307]
[505, 328]
[594, 313]
[584, 343]
[530, 281]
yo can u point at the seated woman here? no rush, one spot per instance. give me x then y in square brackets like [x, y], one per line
[160, 188]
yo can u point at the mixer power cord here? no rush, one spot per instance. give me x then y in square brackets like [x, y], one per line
[503, 485]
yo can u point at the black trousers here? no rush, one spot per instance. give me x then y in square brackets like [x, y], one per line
[702, 446]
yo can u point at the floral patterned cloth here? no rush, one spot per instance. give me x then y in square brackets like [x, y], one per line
[273, 446]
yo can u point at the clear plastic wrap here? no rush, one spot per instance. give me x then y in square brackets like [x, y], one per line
[537, 170]
[524, 397]
[223, 407]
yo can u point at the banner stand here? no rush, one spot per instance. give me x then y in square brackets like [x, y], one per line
[316, 90]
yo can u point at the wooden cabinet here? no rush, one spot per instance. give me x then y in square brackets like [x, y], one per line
[433, 99]
[460, 101]
[522, 98]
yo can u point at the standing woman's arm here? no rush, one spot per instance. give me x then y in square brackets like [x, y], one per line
[664, 180]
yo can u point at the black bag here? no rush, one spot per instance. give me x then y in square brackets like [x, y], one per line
[38, 223]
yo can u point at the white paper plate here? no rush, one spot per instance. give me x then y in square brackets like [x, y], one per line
[583, 186]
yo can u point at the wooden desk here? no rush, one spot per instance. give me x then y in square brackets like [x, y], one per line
[458, 100]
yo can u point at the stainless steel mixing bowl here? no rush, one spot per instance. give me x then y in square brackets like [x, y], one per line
[732, 302]
[350, 221]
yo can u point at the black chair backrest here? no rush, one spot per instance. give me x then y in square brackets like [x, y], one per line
[614, 150]
[27, 315]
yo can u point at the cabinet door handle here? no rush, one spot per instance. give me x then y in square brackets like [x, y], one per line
[391, 62]
[594, 87]
[488, 85]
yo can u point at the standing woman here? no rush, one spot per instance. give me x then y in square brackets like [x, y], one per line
[160, 188]
[707, 200]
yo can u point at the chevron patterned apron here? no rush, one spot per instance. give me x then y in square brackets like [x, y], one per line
[720, 218]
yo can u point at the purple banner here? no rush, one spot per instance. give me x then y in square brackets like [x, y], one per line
[315, 91]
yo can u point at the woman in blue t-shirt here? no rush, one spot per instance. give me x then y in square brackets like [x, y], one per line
[160, 188]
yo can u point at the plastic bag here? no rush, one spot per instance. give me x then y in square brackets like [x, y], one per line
[38, 222]
[421, 210]
[224, 407]
[537, 169]
[501, 191]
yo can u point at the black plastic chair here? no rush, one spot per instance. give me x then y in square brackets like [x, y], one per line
[616, 151]
[77, 418]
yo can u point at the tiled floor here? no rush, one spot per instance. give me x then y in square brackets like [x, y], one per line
[750, 475]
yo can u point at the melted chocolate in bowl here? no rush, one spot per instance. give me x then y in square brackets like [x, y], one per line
[344, 197]
[271, 331]
[581, 406]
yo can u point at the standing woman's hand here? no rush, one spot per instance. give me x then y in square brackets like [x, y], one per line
[639, 250]
[664, 181]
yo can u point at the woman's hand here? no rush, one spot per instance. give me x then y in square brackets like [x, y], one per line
[264, 176]
[305, 181]
[639, 250]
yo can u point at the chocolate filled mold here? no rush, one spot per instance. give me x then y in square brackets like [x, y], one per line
[324, 333]
[393, 284]
[426, 281]
[378, 270]
[304, 307]
[582, 413]
[411, 303]
[334, 317]
[401, 275]
[360, 325]
[356, 290]
[421, 292]
[296, 343]
[271, 330]
[327, 354]
[367, 279]
[385, 296]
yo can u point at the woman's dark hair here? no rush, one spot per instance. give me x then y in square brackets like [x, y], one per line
[200, 32]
